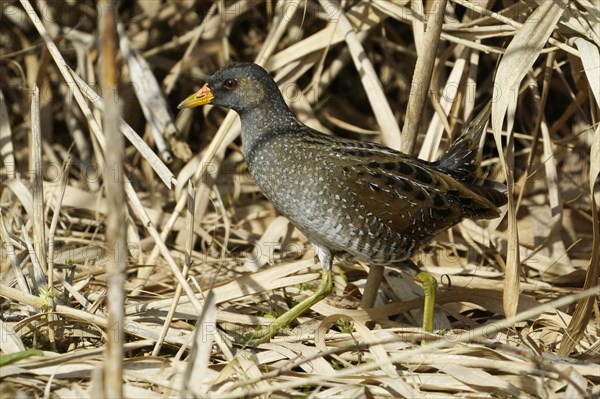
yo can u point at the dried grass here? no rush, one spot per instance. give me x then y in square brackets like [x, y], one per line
[518, 312]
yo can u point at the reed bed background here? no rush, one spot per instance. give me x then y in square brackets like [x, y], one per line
[207, 259]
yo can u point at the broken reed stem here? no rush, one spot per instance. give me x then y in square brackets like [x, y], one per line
[39, 224]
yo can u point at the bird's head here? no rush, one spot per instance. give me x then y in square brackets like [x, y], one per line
[240, 87]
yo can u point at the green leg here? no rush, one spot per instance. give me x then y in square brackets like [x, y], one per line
[265, 334]
[429, 289]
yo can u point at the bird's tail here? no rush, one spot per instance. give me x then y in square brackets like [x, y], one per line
[461, 161]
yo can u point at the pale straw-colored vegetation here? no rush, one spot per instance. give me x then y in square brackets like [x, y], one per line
[208, 259]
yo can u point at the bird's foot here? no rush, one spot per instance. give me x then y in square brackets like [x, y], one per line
[262, 335]
[265, 334]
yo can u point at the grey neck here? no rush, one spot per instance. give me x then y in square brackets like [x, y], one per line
[260, 124]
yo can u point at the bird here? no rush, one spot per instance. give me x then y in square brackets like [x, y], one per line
[349, 196]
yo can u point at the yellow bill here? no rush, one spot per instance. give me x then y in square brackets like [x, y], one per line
[201, 97]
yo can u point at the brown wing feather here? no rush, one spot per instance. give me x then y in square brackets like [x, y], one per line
[412, 198]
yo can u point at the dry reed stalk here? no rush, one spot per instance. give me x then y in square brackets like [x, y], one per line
[422, 76]
[116, 227]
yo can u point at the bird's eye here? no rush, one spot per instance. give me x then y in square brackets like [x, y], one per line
[230, 84]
